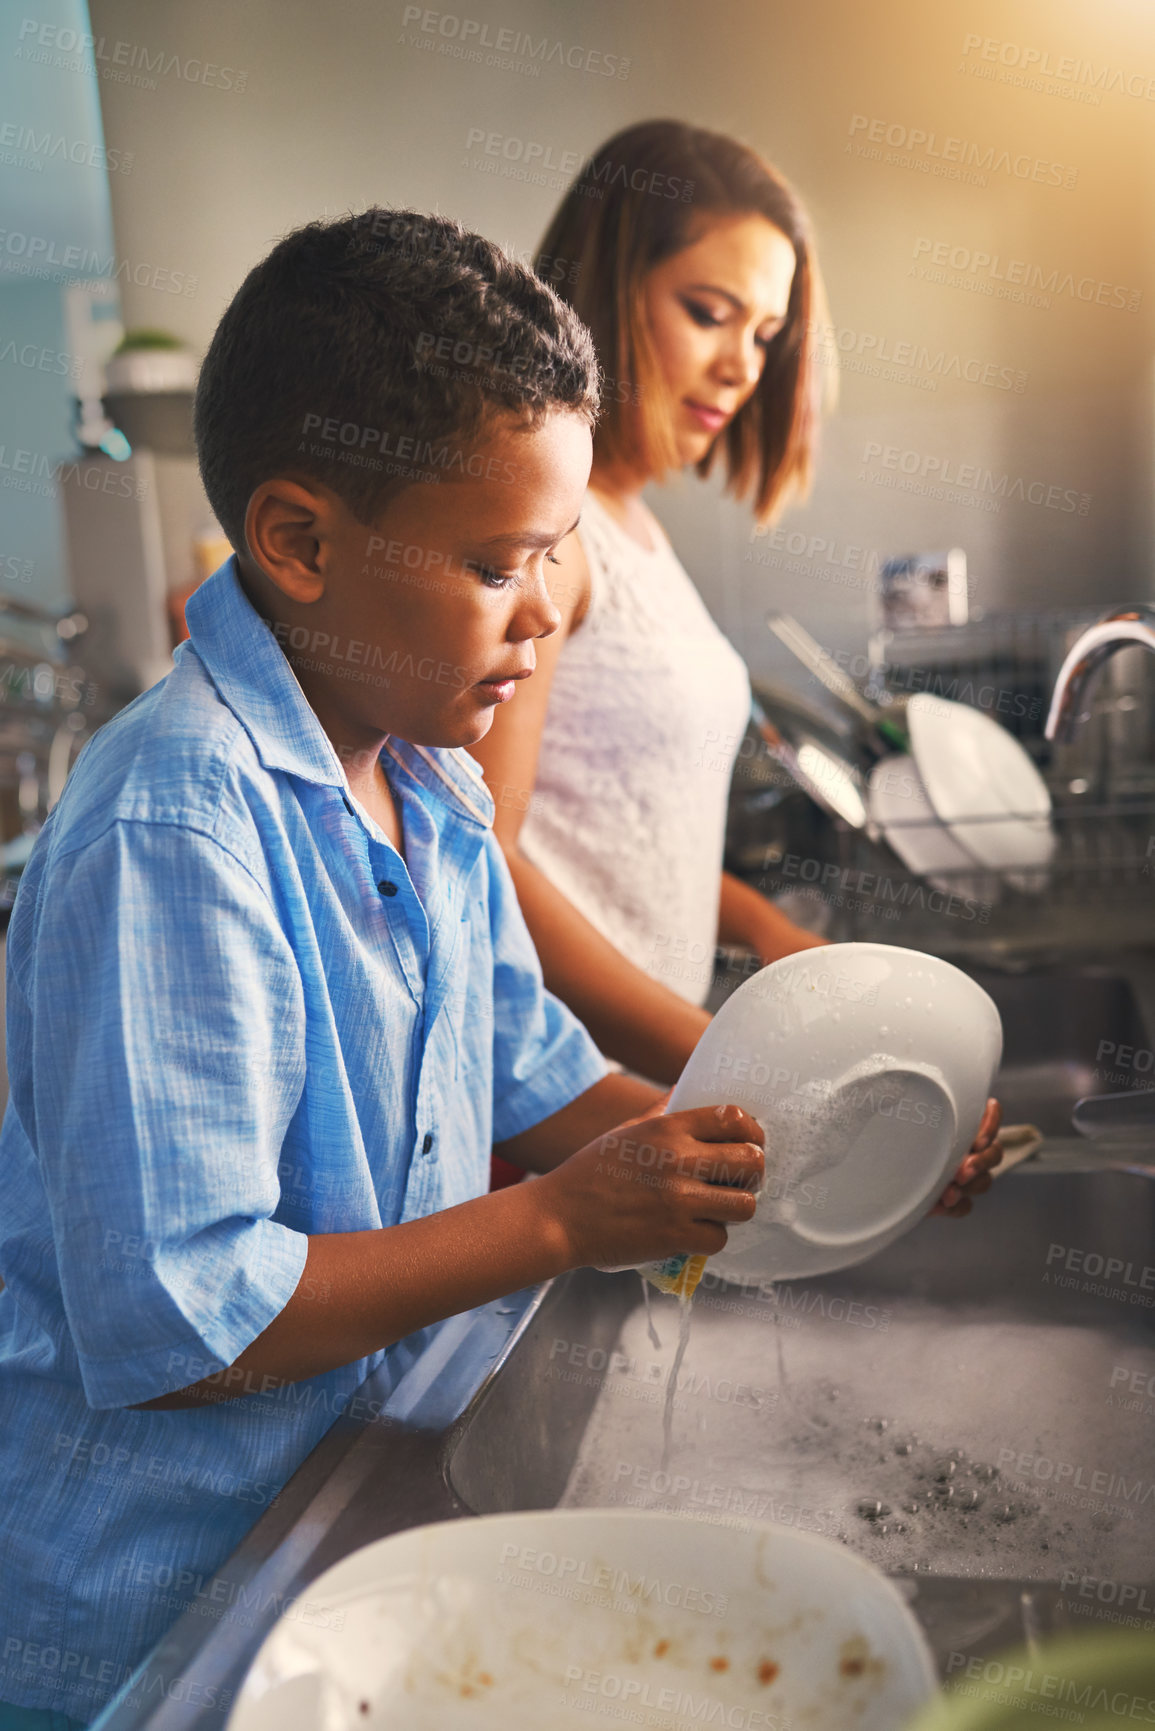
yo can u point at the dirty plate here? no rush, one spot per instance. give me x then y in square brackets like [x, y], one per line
[520, 1622]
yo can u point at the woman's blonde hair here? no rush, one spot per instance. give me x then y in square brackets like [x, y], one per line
[638, 200]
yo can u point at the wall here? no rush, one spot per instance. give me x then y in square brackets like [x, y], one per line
[54, 230]
[281, 110]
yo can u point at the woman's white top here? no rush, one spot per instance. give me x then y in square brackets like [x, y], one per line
[647, 712]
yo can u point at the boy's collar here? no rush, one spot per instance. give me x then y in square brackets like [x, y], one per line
[253, 677]
[441, 769]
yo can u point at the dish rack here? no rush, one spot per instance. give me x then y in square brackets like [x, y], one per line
[849, 884]
[1102, 869]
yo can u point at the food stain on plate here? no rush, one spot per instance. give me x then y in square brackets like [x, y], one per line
[484, 1681]
[856, 1660]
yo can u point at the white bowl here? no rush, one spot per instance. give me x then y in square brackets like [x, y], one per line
[528, 1622]
[983, 785]
[900, 807]
[868, 1068]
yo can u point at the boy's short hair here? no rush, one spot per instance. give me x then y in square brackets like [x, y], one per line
[365, 353]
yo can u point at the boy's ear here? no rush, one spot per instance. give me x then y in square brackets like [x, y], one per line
[288, 532]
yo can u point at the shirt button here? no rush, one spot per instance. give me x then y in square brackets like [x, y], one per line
[428, 1142]
[386, 888]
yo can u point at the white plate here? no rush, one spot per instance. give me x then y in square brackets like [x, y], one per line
[868, 1068]
[901, 809]
[529, 1622]
[983, 785]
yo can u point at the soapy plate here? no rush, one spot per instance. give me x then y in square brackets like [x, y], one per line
[868, 1068]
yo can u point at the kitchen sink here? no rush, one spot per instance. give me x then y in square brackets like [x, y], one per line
[1066, 1033]
[999, 1372]
[973, 1409]
[943, 1409]
[960, 1410]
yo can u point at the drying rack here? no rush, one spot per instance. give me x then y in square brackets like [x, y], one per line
[1101, 874]
[1099, 885]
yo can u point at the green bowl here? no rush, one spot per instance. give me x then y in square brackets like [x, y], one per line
[1100, 1682]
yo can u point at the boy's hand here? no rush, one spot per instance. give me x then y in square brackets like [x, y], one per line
[973, 1177]
[657, 1186]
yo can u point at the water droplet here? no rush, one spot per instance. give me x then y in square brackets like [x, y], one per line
[1004, 1515]
[944, 1471]
[912, 1508]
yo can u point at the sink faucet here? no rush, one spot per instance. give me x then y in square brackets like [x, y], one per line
[1132, 624]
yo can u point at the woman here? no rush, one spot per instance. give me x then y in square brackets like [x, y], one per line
[691, 261]
[693, 267]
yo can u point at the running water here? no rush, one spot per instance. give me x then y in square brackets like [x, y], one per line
[672, 1383]
[655, 1341]
[785, 1388]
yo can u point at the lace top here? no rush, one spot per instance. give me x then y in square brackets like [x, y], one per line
[647, 711]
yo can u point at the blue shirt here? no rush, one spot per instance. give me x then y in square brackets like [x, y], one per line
[235, 1017]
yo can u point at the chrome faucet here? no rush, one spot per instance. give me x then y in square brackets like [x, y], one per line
[1132, 624]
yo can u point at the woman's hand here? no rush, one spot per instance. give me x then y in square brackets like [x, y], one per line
[973, 1177]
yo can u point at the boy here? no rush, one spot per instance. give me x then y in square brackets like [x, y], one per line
[270, 998]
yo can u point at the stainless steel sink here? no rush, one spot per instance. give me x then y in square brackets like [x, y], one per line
[964, 1370]
[1063, 1032]
[960, 1410]
[1010, 1341]
[999, 1372]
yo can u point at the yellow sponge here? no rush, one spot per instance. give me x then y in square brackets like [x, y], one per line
[677, 1274]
